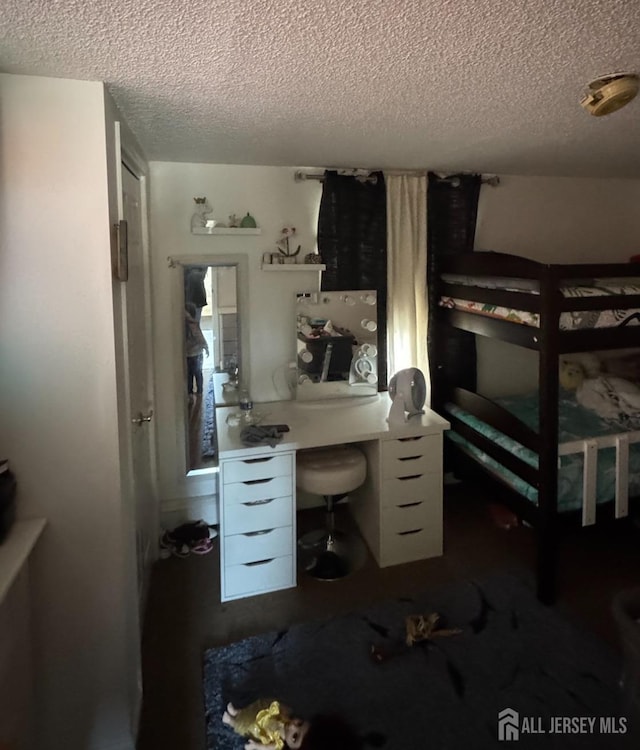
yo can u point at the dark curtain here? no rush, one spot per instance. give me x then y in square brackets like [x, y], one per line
[452, 208]
[352, 242]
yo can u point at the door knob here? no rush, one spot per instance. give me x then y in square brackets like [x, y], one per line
[143, 418]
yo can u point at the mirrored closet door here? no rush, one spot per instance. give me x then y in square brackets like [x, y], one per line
[212, 355]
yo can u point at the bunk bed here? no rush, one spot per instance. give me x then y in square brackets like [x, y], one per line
[555, 310]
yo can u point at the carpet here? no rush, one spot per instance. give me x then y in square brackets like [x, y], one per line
[512, 653]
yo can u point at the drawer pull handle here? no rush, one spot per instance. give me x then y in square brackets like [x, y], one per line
[258, 481]
[251, 503]
[258, 533]
[409, 458]
[406, 533]
[257, 460]
[405, 440]
[410, 476]
[259, 562]
[410, 505]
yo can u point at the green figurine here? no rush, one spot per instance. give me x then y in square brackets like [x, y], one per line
[248, 222]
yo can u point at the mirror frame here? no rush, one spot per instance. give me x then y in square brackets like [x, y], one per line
[196, 481]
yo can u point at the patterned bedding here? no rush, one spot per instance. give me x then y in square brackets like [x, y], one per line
[595, 287]
[574, 423]
[569, 321]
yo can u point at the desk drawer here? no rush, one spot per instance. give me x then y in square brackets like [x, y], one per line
[259, 577]
[411, 465]
[405, 489]
[405, 517]
[258, 515]
[402, 547]
[413, 455]
[257, 545]
[257, 489]
[409, 446]
[261, 467]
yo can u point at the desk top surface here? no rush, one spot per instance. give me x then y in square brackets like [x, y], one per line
[316, 423]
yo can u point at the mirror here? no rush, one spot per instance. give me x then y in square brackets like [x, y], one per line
[336, 344]
[212, 354]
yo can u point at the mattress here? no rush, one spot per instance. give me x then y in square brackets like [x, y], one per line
[582, 288]
[568, 321]
[574, 423]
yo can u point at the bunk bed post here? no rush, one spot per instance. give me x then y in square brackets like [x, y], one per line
[548, 388]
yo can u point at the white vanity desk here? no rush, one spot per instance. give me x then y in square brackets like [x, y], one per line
[398, 509]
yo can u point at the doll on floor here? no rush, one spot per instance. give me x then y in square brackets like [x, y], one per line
[268, 725]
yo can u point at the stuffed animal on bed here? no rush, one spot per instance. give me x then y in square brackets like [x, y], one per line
[268, 725]
[611, 398]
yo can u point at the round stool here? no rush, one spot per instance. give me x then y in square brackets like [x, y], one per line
[333, 472]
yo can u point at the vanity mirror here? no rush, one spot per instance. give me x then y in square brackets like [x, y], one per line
[336, 344]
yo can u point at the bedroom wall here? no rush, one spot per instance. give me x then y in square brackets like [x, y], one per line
[58, 402]
[275, 200]
[552, 220]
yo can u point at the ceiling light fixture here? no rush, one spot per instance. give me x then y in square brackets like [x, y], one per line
[609, 93]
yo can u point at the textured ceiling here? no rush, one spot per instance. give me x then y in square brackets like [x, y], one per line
[483, 85]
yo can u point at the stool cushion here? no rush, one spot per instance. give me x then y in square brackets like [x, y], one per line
[330, 471]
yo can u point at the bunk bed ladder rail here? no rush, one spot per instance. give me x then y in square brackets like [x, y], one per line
[589, 448]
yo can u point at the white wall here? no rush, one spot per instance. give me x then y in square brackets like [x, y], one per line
[552, 220]
[275, 200]
[58, 404]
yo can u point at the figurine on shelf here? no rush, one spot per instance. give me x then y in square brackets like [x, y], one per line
[312, 258]
[283, 245]
[248, 222]
[199, 218]
[234, 221]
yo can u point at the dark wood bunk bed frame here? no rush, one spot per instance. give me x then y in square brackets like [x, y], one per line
[550, 342]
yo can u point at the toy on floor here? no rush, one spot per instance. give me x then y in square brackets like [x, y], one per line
[502, 516]
[268, 725]
[425, 627]
[417, 628]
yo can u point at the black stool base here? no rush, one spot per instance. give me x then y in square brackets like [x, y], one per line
[331, 558]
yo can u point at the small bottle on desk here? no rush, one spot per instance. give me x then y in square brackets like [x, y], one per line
[246, 406]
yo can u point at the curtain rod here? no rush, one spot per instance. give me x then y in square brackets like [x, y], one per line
[300, 176]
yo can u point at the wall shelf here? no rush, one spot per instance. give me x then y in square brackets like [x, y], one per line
[226, 230]
[293, 267]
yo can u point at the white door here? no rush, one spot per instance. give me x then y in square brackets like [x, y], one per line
[138, 350]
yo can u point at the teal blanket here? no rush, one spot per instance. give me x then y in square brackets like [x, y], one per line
[574, 423]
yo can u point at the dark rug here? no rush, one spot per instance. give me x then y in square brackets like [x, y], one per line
[209, 441]
[512, 653]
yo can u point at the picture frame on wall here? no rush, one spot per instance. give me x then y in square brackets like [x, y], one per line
[120, 251]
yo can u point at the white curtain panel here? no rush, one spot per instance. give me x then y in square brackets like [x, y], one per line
[407, 272]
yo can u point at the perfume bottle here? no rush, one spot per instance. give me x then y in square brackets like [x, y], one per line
[246, 406]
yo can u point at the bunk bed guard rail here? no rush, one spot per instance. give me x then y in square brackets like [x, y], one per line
[589, 447]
